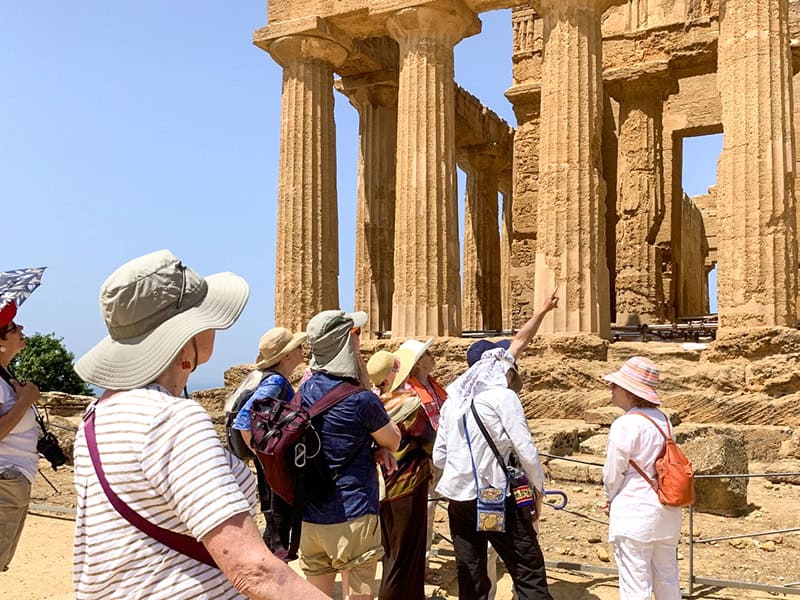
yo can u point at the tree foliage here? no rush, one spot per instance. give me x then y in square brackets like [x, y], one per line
[46, 362]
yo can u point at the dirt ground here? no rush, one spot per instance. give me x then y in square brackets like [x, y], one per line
[41, 569]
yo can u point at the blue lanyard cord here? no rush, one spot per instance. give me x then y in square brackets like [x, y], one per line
[472, 459]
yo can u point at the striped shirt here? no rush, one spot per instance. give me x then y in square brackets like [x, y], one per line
[162, 457]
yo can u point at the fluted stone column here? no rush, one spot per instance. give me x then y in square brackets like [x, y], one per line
[427, 294]
[570, 249]
[377, 132]
[756, 204]
[307, 258]
[640, 196]
[506, 186]
[481, 306]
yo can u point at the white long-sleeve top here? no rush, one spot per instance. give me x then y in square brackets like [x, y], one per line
[635, 510]
[501, 413]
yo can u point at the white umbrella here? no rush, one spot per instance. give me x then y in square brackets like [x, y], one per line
[18, 284]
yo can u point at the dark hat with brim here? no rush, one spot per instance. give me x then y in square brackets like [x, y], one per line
[476, 350]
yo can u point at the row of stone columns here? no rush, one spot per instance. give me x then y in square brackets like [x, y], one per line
[408, 253]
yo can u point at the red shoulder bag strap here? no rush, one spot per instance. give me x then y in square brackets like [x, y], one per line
[184, 544]
[338, 392]
[664, 435]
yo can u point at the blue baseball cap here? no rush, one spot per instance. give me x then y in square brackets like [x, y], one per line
[476, 350]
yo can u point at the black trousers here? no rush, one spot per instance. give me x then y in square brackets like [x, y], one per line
[404, 523]
[518, 548]
[282, 521]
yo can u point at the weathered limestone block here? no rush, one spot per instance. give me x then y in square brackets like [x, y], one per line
[560, 437]
[656, 351]
[791, 448]
[752, 344]
[762, 442]
[65, 429]
[567, 404]
[756, 209]
[212, 400]
[586, 347]
[719, 454]
[65, 405]
[774, 376]
[786, 465]
[676, 378]
[234, 375]
[595, 445]
[562, 470]
[571, 245]
[603, 415]
[747, 408]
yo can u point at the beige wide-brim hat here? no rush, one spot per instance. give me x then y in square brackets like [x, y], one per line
[380, 365]
[408, 354]
[153, 306]
[275, 345]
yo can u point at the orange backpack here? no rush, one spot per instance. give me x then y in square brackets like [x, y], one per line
[674, 471]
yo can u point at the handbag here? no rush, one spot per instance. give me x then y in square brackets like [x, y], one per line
[490, 506]
[179, 542]
[520, 486]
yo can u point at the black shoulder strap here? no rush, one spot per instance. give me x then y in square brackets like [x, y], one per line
[6, 376]
[489, 440]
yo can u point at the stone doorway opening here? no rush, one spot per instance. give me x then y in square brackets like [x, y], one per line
[697, 284]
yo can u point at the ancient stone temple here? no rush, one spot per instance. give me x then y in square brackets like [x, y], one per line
[604, 93]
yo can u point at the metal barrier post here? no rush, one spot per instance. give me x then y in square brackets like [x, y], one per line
[691, 551]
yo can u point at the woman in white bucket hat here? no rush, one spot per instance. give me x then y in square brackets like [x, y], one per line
[644, 532]
[162, 509]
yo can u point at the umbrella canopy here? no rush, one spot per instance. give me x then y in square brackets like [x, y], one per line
[17, 285]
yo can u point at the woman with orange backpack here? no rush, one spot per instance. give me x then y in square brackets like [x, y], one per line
[644, 530]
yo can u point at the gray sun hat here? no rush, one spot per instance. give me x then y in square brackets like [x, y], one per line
[152, 306]
[329, 340]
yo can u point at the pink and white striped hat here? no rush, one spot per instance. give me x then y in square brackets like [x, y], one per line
[638, 375]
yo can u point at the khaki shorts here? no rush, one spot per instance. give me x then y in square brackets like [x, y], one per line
[353, 546]
[15, 494]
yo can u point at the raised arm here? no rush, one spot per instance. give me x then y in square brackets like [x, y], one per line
[525, 335]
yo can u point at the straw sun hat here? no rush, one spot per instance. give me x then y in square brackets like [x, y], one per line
[380, 365]
[275, 345]
[638, 375]
[408, 354]
[152, 306]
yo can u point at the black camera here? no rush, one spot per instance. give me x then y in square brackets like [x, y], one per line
[48, 447]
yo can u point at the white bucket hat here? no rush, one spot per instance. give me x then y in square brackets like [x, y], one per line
[408, 354]
[152, 306]
[638, 375]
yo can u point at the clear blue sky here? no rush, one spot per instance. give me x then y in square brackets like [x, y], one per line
[127, 127]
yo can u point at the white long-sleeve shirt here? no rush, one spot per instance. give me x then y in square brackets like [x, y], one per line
[635, 510]
[502, 415]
